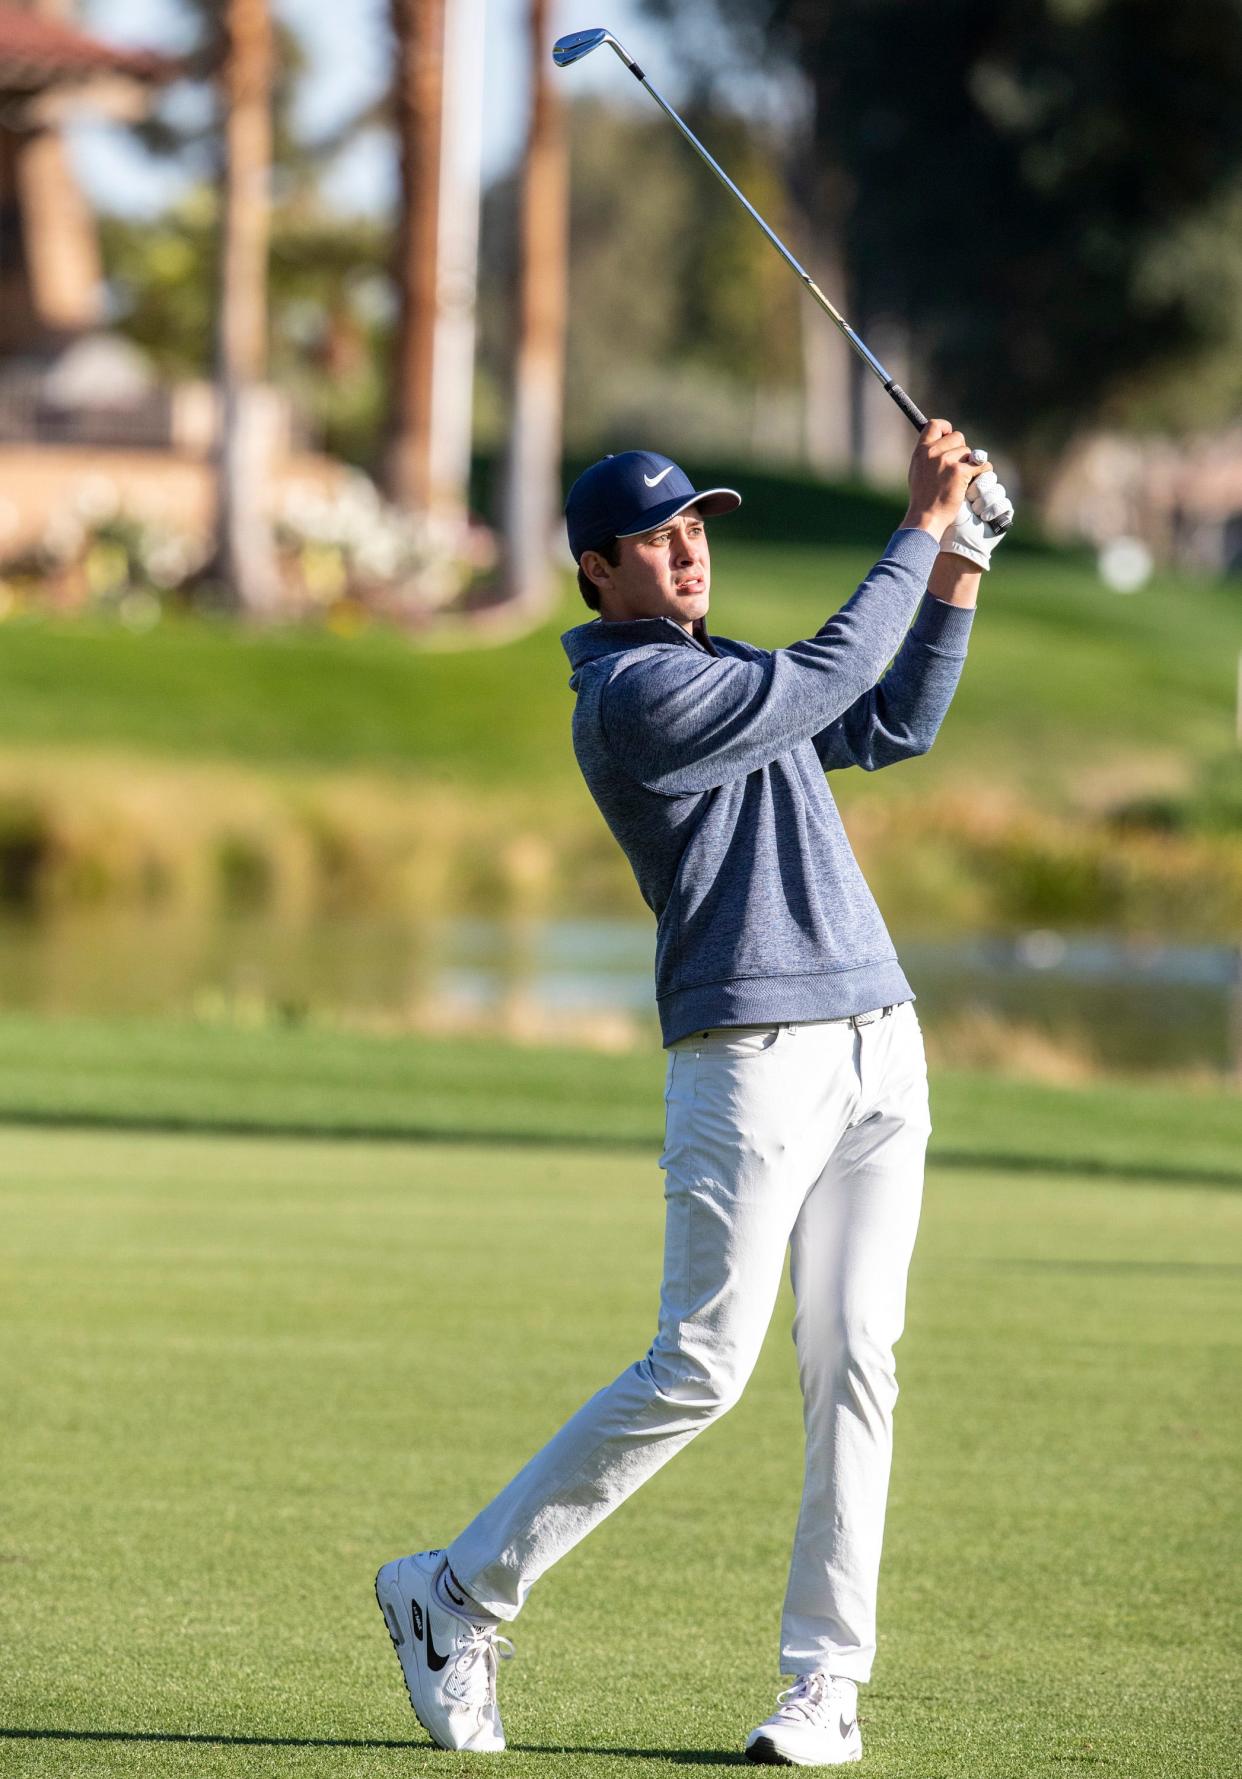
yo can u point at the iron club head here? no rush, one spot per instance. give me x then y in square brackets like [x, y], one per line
[578, 44]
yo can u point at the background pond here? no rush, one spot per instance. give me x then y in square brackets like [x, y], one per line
[1133, 1006]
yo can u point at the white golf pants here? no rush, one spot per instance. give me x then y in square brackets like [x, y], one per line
[810, 1137]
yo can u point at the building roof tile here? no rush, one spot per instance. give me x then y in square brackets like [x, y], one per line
[36, 51]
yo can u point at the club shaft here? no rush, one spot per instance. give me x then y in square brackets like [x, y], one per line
[913, 414]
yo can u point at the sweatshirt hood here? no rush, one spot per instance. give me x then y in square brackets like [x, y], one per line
[596, 639]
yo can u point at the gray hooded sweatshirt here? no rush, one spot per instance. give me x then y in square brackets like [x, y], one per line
[707, 758]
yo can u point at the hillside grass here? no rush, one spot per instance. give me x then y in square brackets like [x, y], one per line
[151, 1074]
[246, 1366]
[1068, 687]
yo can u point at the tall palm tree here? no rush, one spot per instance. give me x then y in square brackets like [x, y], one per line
[533, 466]
[418, 40]
[245, 556]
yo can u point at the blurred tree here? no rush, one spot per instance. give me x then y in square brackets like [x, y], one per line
[737, 305]
[1038, 190]
[329, 305]
[192, 135]
[532, 496]
[418, 88]
[675, 300]
[436, 110]
[161, 276]
[679, 314]
[245, 557]
[329, 312]
[332, 313]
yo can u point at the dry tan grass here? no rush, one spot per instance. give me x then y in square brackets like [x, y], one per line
[980, 1038]
[517, 1020]
[83, 829]
[80, 829]
[983, 858]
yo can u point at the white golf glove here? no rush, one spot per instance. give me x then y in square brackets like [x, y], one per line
[972, 533]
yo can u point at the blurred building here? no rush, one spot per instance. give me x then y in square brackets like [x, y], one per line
[50, 276]
[66, 385]
[79, 405]
[1182, 498]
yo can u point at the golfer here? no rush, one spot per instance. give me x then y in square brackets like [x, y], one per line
[797, 1112]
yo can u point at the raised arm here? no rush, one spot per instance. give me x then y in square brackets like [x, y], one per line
[900, 716]
[681, 722]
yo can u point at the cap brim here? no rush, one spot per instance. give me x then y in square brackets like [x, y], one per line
[712, 502]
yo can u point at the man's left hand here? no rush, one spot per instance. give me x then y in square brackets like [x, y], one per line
[972, 534]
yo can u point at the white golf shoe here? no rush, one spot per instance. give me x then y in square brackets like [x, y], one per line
[449, 1661]
[815, 1724]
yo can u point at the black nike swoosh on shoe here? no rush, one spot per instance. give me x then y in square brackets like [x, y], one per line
[847, 1729]
[435, 1661]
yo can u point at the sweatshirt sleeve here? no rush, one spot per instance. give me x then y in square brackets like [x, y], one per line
[900, 716]
[683, 722]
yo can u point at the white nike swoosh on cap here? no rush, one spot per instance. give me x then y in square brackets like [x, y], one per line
[654, 481]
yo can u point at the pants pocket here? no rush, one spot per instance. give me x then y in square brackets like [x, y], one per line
[735, 1040]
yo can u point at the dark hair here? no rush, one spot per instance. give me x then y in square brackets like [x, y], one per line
[610, 550]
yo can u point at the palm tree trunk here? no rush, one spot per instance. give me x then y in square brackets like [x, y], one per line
[418, 32]
[245, 554]
[533, 468]
[457, 254]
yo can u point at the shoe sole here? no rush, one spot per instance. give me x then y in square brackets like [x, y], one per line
[396, 1636]
[764, 1752]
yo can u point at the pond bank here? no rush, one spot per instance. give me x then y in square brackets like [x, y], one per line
[210, 839]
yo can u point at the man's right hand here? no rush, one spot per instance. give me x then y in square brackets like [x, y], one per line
[940, 473]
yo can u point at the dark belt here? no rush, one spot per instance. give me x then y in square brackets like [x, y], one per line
[857, 1019]
[851, 1019]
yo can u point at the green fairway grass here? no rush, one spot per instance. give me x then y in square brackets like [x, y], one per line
[166, 1074]
[278, 1306]
[1063, 676]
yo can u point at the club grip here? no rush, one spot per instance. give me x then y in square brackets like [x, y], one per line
[914, 415]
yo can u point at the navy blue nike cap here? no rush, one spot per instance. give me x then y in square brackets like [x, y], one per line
[633, 492]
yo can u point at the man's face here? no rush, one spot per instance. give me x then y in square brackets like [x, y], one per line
[665, 573]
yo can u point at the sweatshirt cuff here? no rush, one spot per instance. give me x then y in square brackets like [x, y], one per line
[941, 626]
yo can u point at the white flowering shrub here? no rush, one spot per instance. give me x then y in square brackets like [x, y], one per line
[95, 554]
[345, 557]
[349, 545]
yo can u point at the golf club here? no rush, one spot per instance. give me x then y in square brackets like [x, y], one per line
[580, 43]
